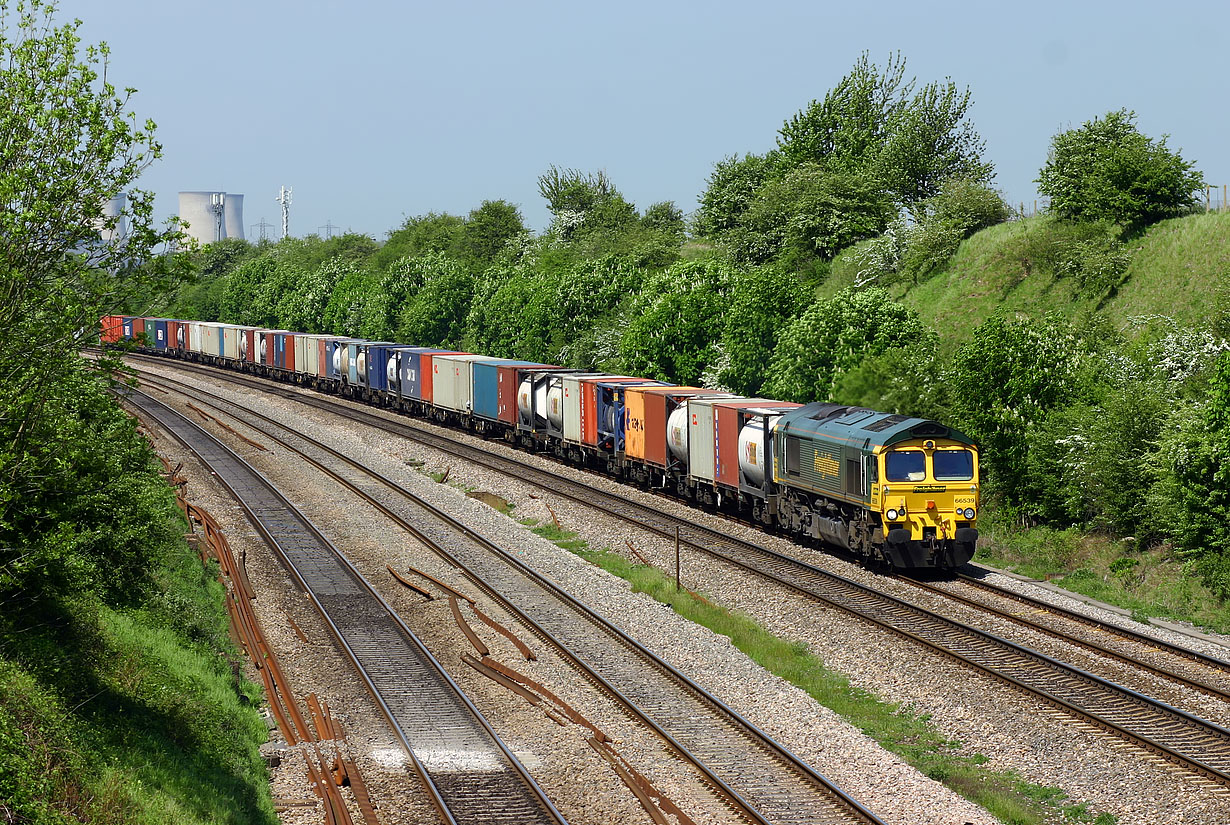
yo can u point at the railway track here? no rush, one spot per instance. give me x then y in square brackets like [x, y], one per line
[1213, 672]
[467, 770]
[1171, 733]
[761, 780]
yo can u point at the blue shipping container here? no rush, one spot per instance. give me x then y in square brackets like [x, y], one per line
[485, 398]
[411, 372]
[375, 356]
[160, 333]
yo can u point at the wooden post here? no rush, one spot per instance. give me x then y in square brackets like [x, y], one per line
[1223, 197]
[677, 588]
[1207, 190]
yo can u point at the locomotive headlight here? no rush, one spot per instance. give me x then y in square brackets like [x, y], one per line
[892, 515]
[969, 513]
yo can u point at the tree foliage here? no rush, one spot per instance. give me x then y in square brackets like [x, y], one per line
[68, 144]
[675, 322]
[833, 336]
[1108, 170]
[810, 213]
[1005, 381]
[843, 168]
[874, 123]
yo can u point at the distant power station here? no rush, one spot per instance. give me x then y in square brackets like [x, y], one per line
[113, 208]
[211, 216]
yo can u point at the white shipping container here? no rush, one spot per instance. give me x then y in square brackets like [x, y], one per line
[451, 385]
[302, 350]
[230, 341]
[211, 343]
[572, 404]
[702, 437]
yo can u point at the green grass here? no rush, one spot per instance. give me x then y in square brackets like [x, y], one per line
[1150, 582]
[1177, 267]
[133, 715]
[897, 729]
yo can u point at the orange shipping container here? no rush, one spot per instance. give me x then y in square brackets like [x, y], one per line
[112, 328]
[648, 410]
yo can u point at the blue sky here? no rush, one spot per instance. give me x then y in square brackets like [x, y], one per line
[377, 111]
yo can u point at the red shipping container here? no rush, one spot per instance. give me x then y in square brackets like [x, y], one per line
[506, 389]
[589, 402]
[138, 328]
[429, 367]
[729, 419]
[112, 328]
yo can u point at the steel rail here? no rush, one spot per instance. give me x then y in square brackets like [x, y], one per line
[384, 651]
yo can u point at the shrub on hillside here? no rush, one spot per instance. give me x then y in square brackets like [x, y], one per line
[1192, 496]
[1006, 381]
[833, 336]
[915, 248]
[1108, 170]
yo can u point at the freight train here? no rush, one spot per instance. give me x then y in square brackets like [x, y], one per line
[894, 491]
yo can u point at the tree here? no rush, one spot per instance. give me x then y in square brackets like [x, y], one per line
[811, 212]
[833, 336]
[68, 144]
[664, 217]
[762, 304]
[873, 122]
[675, 322]
[1108, 170]
[1007, 380]
[733, 184]
[487, 231]
[420, 235]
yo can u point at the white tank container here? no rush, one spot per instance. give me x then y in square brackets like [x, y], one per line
[751, 452]
[677, 433]
[392, 372]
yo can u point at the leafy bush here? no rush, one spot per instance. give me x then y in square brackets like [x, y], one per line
[1192, 497]
[810, 213]
[1098, 266]
[916, 249]
[1005, 381]
[762, 304]
[910, 380]
[1108, 170]
[732, 187]
[833, 336]
[675, 322]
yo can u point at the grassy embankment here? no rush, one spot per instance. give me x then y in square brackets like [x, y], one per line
[897, 729]
[1179, 269]
[135, 715]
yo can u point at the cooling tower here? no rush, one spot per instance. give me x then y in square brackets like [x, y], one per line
[232, 216]
[211, 216]
[113, 208]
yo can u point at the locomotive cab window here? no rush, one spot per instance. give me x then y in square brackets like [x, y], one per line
[905, 465]
[953, 465]
[792, 456]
